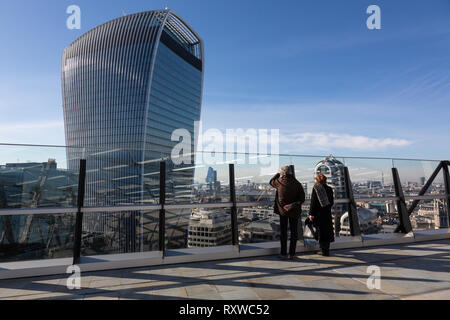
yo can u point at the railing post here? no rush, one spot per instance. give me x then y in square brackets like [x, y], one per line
[405, 222]
[79, 217]
[353, 220]
[162, 202]
[234, 227]
[445, 165]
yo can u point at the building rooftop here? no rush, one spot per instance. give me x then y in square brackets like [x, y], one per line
[408, 271]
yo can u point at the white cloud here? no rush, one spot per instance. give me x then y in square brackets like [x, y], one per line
[333, 141]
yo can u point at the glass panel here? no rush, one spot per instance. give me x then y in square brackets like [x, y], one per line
[120, 177]
[414, 175]
[377, 216]
[431, 213]
[371, 178]
[199, 227]
[253, 173]
[306, 169]
[258, 224]
[34, 237]
[120, 232]
[35, 177]
[207, 180]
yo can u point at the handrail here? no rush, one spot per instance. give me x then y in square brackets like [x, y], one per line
[236, 153]
[211, 205]
[165, 204]
[37, 211]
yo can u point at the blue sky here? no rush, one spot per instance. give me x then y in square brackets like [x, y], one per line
[309, 68]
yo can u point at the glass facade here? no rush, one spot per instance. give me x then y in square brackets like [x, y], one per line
[127, 85]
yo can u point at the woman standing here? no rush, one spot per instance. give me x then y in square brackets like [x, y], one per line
[320, 212]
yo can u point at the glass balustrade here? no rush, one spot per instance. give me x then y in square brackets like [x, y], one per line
[123, 202]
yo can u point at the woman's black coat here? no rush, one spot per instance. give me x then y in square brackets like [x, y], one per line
[322, 216]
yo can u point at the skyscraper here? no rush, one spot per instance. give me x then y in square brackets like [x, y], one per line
[127, 85]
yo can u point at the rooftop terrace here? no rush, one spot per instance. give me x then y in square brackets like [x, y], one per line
[408, 271]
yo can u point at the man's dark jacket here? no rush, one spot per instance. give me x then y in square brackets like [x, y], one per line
[289, 191]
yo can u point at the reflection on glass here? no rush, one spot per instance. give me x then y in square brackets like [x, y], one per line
[30, 237]
[42, 180]
[120, 232]
[209, 228]
[258, 224]
[198, 227]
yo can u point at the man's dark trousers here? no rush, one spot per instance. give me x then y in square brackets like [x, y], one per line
[293, 226]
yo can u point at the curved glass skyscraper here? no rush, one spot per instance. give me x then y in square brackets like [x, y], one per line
[127, 85]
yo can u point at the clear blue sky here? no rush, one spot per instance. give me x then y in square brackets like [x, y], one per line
[310, 68]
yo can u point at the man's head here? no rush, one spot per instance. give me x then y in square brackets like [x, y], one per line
[285, 171]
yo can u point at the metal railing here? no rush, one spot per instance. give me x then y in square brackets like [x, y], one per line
[161, 204]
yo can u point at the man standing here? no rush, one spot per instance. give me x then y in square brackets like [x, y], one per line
[288, 204]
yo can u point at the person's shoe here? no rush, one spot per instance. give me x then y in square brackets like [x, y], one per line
[291, 257]
[326, 253]
[283, 257]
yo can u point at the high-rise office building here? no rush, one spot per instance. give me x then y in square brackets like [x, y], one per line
[209, 228]
[127, 85]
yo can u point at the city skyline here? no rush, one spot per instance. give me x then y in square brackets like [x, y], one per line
[175, 149]
[390, 96]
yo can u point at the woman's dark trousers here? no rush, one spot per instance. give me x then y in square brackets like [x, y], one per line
[293, 226]
[325, 246]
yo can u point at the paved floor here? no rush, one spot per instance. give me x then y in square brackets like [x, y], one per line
[412, 271]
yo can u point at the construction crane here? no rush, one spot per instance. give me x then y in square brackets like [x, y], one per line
[262, 193]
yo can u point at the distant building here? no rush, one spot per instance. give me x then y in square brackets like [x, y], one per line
[431, 215]
[256, 213]
[440, 214]
[209, 228]
[260, 230]
[422, 181]
[368, 222]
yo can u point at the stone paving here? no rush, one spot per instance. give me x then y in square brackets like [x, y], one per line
[410, 271]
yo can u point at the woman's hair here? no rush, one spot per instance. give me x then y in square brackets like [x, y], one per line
[321, 178]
